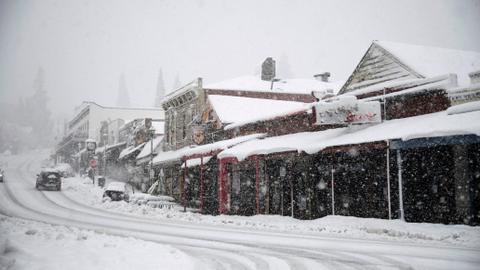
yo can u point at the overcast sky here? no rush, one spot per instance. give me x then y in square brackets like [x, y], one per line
[84, 46]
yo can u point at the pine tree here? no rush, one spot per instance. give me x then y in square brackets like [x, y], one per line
[160, 89]
[123, 99]
[38, 115]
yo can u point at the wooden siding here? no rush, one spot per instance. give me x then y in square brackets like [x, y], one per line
[377, 66]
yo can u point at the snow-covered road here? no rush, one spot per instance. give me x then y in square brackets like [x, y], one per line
[222, 247]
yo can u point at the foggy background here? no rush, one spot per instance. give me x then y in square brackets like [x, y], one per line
[85, 46]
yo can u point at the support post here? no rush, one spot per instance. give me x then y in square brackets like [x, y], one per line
[400, 185]
[257, 185]
[291, 198]
[333, 191]
[201, 186]
[388, 181]
[184, 201]
[221, 187]
[388, 157]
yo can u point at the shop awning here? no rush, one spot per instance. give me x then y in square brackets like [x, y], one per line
[195, 162]
[130, 151]
[202, 150]
[146, 151]
[441, 124]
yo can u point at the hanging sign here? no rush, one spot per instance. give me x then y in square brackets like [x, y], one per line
[347, 110]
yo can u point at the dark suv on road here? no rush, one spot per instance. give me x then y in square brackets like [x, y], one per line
[49, 179]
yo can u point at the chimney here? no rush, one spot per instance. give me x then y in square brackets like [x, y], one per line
[268, 69]
[322, 76]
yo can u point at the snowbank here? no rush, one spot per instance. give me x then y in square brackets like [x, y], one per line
[337, 226]
[35, 245]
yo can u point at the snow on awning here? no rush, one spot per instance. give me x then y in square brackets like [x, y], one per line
[146, 151]
[129, 151]
[196, 162]
[205, 149]
[109, 147]
[99, 150]
[429, 125]
[79, 153]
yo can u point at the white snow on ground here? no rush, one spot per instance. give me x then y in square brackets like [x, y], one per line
[82, 191]
[34, 245]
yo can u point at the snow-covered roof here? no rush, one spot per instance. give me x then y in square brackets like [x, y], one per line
[292, 86]
[146, 150]
[168, 156]
[196, 162]
[236, 111]
[433, 61]
[419, 84]
[457, 120]
[129, 150]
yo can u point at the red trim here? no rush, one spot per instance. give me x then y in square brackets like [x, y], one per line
[201, 186]
[223, 184]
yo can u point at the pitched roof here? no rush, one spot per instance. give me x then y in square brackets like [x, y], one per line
[433, 61]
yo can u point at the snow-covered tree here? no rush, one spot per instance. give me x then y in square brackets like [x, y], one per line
[160, 89]
[38, 116]
[123, 99]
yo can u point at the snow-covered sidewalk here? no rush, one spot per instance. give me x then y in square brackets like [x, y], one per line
[34, 245]
[82, 191]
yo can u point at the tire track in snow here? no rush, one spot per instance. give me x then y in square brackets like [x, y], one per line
[224, 260]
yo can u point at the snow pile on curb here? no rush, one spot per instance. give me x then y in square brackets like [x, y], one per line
[35, 245]
[338, 226]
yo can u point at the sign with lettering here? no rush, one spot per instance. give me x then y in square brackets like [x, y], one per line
[347, 111]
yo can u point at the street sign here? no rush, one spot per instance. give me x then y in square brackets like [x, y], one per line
[93, 163]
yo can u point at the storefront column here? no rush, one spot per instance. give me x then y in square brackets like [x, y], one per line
[201, 186]
[389, 197]
[400, 185]
[257, 185]
[463, 178]
[222, 192]
[184, 199]
[333, 191]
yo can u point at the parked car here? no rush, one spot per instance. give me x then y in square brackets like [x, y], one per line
[65, 169]
[116, 191]
[2, 175]
[49, 179]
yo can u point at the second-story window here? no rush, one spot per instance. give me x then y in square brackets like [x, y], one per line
[184, 125]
